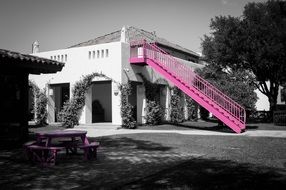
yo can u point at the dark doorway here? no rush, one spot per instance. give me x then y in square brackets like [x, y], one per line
[65, 94]
[61, 94]
[101, 102]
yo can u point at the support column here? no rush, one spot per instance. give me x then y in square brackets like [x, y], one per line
[87, 111]
[185, 106]
[168, 103]
[141, 104]
[51, 104]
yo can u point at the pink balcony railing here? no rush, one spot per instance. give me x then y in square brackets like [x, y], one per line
[187, 76]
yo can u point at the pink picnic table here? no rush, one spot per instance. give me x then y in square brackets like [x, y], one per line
[49, 135]
[44, 152]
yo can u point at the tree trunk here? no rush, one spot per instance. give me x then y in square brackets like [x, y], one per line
[272, 107]
[271, 92]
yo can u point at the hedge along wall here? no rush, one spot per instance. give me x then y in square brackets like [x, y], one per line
[192, 108]
[177, 109]
[177, 113]
[154, 111]
[126, 109]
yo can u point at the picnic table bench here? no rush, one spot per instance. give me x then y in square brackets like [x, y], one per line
[90, 150]
[44, 155]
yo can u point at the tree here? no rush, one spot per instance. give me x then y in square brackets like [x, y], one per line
[236, 84]
[254, 42]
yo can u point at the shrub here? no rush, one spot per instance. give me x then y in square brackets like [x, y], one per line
[279, 118]
[126, 108]
[153, 113]
[258, 116]
[177, 110]
[41, 109]
[39, 105]
[192, 108]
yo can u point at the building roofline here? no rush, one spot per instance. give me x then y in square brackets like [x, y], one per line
[30, 63]
[134, 33]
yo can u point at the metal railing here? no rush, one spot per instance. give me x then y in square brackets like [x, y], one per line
[191, 79]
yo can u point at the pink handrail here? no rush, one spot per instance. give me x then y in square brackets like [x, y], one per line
[191, 79]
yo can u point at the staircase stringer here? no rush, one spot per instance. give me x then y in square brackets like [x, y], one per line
[219, 113]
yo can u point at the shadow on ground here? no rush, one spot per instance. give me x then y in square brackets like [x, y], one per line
[132, 163]
[120, 160]
[208, 126]
[211, 126]
[212, 174]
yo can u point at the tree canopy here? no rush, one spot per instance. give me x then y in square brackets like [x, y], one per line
[254, 42]
[237, 85]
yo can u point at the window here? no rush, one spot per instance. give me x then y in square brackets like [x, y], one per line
[66, 57]
[93, 54]
[102, 53]
[89, 55]
[106, 53]
[62, 58]
[97, 53]
[59, 58]
[51, 57]
[55, 57]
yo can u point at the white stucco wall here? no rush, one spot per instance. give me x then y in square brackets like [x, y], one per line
[82, 61]
[79, 64]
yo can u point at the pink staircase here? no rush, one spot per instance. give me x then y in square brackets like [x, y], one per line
[200, 90]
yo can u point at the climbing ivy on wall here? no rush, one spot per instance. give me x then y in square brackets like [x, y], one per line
[154, 111]
[70, 113]
[72, 108]
[39, 104]
[192, 108]
[177, 110]
[126, 109]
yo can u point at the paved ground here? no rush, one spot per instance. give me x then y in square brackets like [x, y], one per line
[152, 160]
[188, 128]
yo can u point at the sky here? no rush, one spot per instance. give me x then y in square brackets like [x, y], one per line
[58, 24]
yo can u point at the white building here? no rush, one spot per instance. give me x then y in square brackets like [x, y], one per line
[109, 55]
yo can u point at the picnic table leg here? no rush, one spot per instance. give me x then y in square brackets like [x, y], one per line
[71, 146]
[49, 142]
[74, 146]
[84, 139]
[38, 156]
[52, 157]
[86, 153]
[89, 153]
